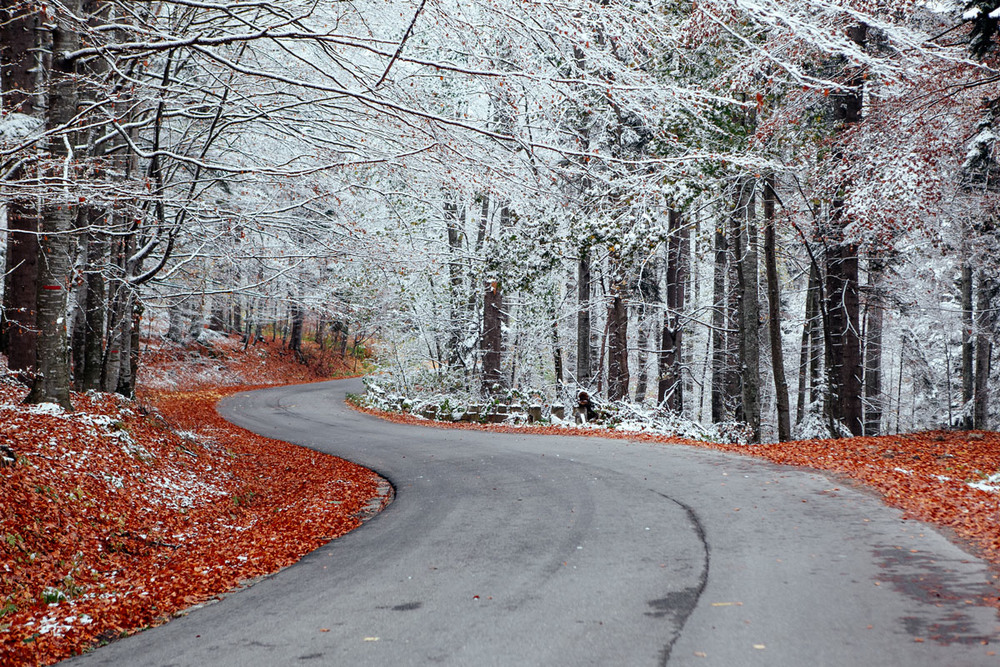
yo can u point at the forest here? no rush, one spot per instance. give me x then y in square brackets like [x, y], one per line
[774, 219]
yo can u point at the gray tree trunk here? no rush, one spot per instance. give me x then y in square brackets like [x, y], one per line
[875, 309]
[94, 311]
[618, 373]
[642, 379]
[968, 346]
[583, 327]
[670, 386]
[18, 69]
[811, 349]
[720, 302]
[57, 243]
[744, 237]
[774, 313]
[984, 352]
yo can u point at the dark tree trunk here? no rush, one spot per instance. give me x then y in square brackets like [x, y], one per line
[618, 375]
[843, 303]
[642, 379]
[874, 309]
[583, 327]
[968, 346]
[95, 309]
[124, 385]
[78, 338]
[744, 237]
[454, 230]
[774, 313]
[298, 317]
[811, 349]
[117, 312]
[56, 243]
[492, 341]
[20, 290]
[18, 25]
[557, 353]
[720, 344]
[984, 352]
[669, 390]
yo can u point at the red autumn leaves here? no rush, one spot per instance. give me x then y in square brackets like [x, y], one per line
[110, 521]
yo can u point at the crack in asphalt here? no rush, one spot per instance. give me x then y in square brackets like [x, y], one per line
[687, 599]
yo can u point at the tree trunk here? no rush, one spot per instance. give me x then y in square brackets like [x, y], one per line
[984, 352]
[583, 321]
[843, 305]
[618, 375]
[126, 382]
[968, 346]
[454, 231]
[811, 349]
[748, 303]
[95, 309]
[56, 243]
[642, 379]
[298, 317]
[18, 50]
[117, 311]
[843, 301]
[669, 390]
[874, 313]
[720, 345]
[492, 340]
[774, 313]
[20, 289]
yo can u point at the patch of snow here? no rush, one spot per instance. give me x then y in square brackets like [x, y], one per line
[991, 483]
[17, 126]
[52, 409]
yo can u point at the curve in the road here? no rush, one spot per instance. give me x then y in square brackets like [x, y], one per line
[531, 550]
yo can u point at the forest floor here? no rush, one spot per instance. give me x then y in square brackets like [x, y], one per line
[947, 478]
[121, 514]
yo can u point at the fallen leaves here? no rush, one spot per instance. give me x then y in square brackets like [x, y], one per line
[119, 515]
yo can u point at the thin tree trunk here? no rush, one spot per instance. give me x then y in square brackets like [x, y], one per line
[811, 350]
[20, 289]
[642, 379]
[774, 313]
[95, 309]
[873, 350]
[748, 304]
[720, 346]
[669, 391]
[583, 326]
[968, 346]
[618, 374]
[298, 323]
[984, 352]
[492, 340]
[454, 232]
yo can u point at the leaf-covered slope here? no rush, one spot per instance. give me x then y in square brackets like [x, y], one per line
[118, 515]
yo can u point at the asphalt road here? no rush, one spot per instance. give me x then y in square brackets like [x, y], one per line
[530, 550]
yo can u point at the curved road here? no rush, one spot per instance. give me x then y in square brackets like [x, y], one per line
[531, 550]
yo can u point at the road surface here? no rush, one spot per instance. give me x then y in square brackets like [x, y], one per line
[532, 550]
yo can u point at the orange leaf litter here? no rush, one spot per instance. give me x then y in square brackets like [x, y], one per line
[112, 521]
